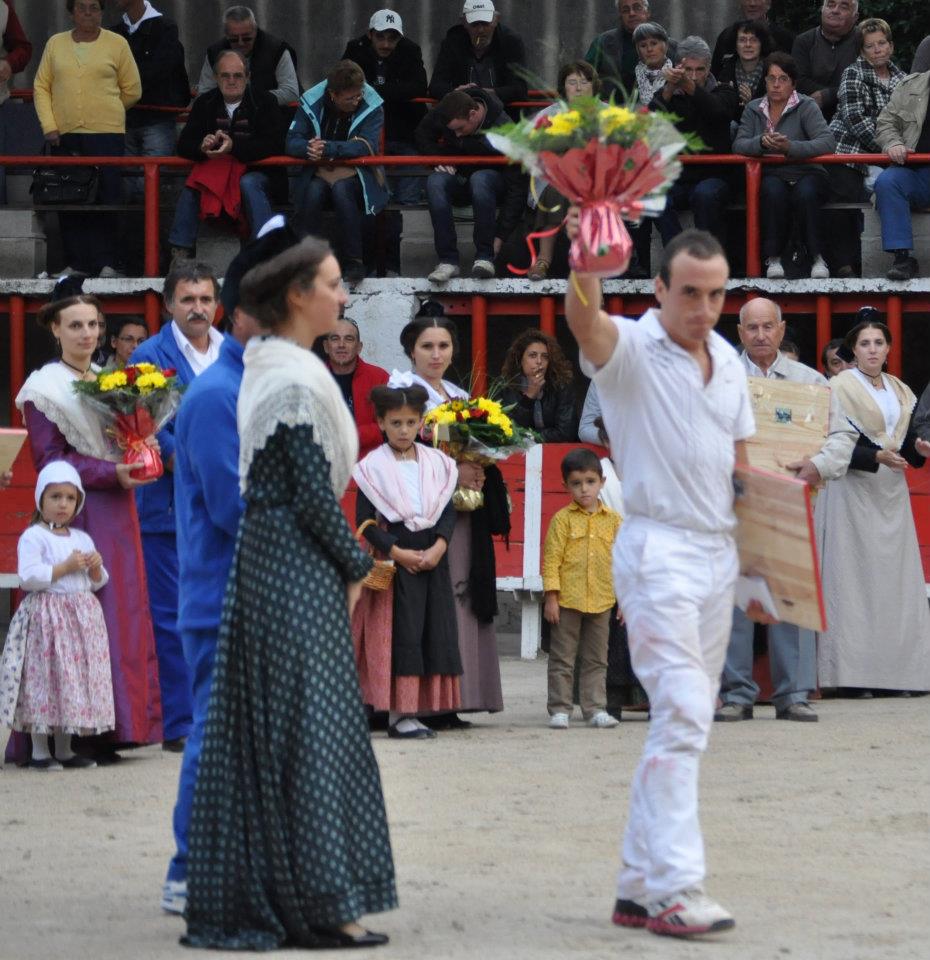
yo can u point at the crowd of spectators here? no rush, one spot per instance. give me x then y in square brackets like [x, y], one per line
[756, 90]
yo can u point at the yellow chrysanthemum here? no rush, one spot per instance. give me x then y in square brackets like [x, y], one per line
[145, 367]
[151, 381]
[112, 381]
[564, 124]
[492, 406]
[613, 119]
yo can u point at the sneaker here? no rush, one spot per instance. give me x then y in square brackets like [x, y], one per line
[111, 273]
[629, 913]
[443, 273]
[773, 269]
[354, 272]
[688, 913]
[730, 712]
[603, 720]
[482, 270]
[904, 268]
[558, 721]
[819, 269]
[800, 711]
[181, 253]
[174, 896]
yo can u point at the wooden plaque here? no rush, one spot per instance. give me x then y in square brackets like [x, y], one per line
[792, 420]
[11, 442]
[776, 541]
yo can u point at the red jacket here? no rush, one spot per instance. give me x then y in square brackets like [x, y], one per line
[366, 376]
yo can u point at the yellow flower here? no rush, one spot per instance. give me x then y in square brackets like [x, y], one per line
[145, 367]
[613, 119]
[564, 124]
[492, 406]
[112, 381]
[153, 380]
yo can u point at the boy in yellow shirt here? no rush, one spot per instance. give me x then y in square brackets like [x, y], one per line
[579, 592]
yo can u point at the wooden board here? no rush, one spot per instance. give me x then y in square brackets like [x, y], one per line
[11, 442]
[792, 420]
[776, 541]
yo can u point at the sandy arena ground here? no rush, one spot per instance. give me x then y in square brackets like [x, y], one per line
[505, 841]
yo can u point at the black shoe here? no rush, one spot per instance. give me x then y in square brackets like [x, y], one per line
[174, 746]
[629, 913]
[446, 721]
[46, 763]
[903, 269]
[78, 763]
[333, 939]
[354, 272]
[731, 712]
[421, 733]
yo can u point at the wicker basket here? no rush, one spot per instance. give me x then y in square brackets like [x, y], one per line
[381, 575]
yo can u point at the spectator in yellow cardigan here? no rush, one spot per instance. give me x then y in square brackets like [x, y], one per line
[86, 82]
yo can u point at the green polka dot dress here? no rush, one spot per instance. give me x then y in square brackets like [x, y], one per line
[288, 833]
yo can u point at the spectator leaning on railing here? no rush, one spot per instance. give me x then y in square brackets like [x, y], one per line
[341, 118]
[272, 62]
[903, 127]
[823, 53]
[15, 54]
[85, 83]
[227, 128]
[757, 11]
[457, 126]
[865, 90]
[480, 52]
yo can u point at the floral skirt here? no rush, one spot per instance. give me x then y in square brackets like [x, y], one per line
[55, 669]
[372, 627]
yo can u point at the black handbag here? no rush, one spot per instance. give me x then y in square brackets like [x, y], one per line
[61, 185]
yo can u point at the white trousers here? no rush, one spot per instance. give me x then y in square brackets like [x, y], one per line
[675, 588]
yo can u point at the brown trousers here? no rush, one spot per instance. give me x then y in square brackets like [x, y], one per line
[585, 635]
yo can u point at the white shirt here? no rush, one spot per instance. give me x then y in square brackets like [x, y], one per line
[231, 108]
[410, 473]
[39, 550]
[408, 378]
[198, 361]
[149, 14]
[885, 400]
[784, 368]
[671, 436]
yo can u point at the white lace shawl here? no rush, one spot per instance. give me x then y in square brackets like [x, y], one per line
[286, 383]
[49, 390]
[407, 378]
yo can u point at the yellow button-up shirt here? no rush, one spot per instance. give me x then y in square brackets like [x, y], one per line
[577, 557]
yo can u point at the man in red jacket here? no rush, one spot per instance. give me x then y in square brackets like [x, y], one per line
[355, 379]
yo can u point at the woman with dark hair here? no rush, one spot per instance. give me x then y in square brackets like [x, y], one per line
[430, 342]
[789, 124]
[743, 70]
[537, 385]
[62, 426]
[288, 837]
[878, 623]
[126, 333]
[576, 79]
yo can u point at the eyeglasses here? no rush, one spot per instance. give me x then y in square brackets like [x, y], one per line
[126, 338]
[240, 40]
[231, 76]
[633, 8]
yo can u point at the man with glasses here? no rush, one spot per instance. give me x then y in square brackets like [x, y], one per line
[823, 53]
[126, 335]
[356, 379]
[613, 53]
[272, 62]
[233, 122]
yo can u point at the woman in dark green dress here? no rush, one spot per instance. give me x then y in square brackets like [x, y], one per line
[289, 842]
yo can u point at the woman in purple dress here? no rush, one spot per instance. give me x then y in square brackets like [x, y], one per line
[64, 427]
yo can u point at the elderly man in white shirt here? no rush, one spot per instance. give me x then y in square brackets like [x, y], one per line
[792, 651]
[677, 411]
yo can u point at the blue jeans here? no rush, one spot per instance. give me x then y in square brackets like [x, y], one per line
[199, 652]
[313, 193]
[255, 203]
[792, 663]
[483, 190]
[90, 240]
[779, 202]
[152, 140]
[405, 188]
[897, 190]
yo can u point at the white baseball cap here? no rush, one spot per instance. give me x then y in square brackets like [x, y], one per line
[386, 20]
[482, 10]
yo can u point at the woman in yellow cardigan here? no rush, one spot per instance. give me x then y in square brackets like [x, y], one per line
[86, 82]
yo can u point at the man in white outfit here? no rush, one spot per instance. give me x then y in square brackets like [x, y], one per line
[677, 410]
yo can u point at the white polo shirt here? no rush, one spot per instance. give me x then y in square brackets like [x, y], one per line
[198, 361]
[671, 436]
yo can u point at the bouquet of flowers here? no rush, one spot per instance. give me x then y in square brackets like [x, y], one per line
[615, 162]
[476, 430]
[136, 402]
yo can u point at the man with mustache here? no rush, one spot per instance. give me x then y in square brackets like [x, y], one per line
[189, 344]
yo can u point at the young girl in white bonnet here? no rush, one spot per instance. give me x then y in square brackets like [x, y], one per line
[55, 670]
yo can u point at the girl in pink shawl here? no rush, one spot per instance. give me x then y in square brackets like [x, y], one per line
[406, 639]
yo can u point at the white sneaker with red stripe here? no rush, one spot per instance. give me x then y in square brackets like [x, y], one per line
[688, 913]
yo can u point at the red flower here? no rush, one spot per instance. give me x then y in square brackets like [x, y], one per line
[131, 374]
[542, 122]
[479, 414]
[170, 372]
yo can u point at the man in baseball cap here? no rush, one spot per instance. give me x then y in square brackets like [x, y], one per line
[384, 20]
[479, 11]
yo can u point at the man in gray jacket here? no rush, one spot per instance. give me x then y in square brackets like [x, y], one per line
[903, 128]
[823, 53]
